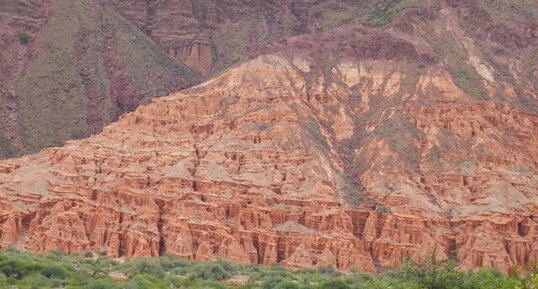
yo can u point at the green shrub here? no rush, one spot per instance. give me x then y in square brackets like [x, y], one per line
[53, 271]
[19, 269]
[489, 279]
[146, 266]
[270, 283]
[56, 255]
[531, 282]
[35, 281]
[431, 274]
[335, 284]
[329, 270]
[286, 284]
[24, 38]
[169, 263]
[211, 271]
[144, 282]
[27, 271]
[202, 284]
[102, 284]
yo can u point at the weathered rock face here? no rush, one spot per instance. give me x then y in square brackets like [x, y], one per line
[211, 35]
[176, 26]
[231, 30]
[354, 148]
[274, 162]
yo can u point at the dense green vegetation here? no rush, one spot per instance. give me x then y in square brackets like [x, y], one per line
[26, 270]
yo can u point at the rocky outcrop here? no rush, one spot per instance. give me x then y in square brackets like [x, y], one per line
[210, 35]
[196, 53]
[177, 27]
[58, 84]
[275, 161]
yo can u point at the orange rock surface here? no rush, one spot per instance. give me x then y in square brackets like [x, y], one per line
[273, 161]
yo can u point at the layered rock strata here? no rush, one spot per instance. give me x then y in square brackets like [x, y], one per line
[274, 161]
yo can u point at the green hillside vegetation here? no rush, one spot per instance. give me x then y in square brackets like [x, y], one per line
[26, 270]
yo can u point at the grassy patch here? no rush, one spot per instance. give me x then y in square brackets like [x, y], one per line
[463, 74]
[384, 16]
[6, 148]
[334, 18]
[401, 136]
[468, 80]
[531, 60]
[141, 55]
[52, 101]
[511, 10]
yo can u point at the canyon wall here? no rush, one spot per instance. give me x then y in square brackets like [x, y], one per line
[356, 146]
[252, 167]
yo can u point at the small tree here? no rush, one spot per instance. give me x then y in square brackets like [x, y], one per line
[24, 38]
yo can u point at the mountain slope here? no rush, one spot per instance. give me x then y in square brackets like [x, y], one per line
[211, 35]
[354, 147]
[208, 36]
[253, 166]
[67, 68]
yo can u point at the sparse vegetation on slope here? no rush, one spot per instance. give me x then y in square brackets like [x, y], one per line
[88, 66]
[383, 16]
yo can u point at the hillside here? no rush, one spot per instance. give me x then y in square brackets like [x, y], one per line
[60, 84]
[404, 133]
[68, 68]
[210, 35]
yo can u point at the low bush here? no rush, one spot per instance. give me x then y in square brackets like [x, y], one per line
[211, 271]
[335, 284]
[24, 38]
[102, 284]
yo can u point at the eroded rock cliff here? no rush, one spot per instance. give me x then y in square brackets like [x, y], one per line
[355, 147]
[250, 167]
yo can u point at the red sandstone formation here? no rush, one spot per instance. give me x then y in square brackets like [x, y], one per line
[357, 147]
[250, 167]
